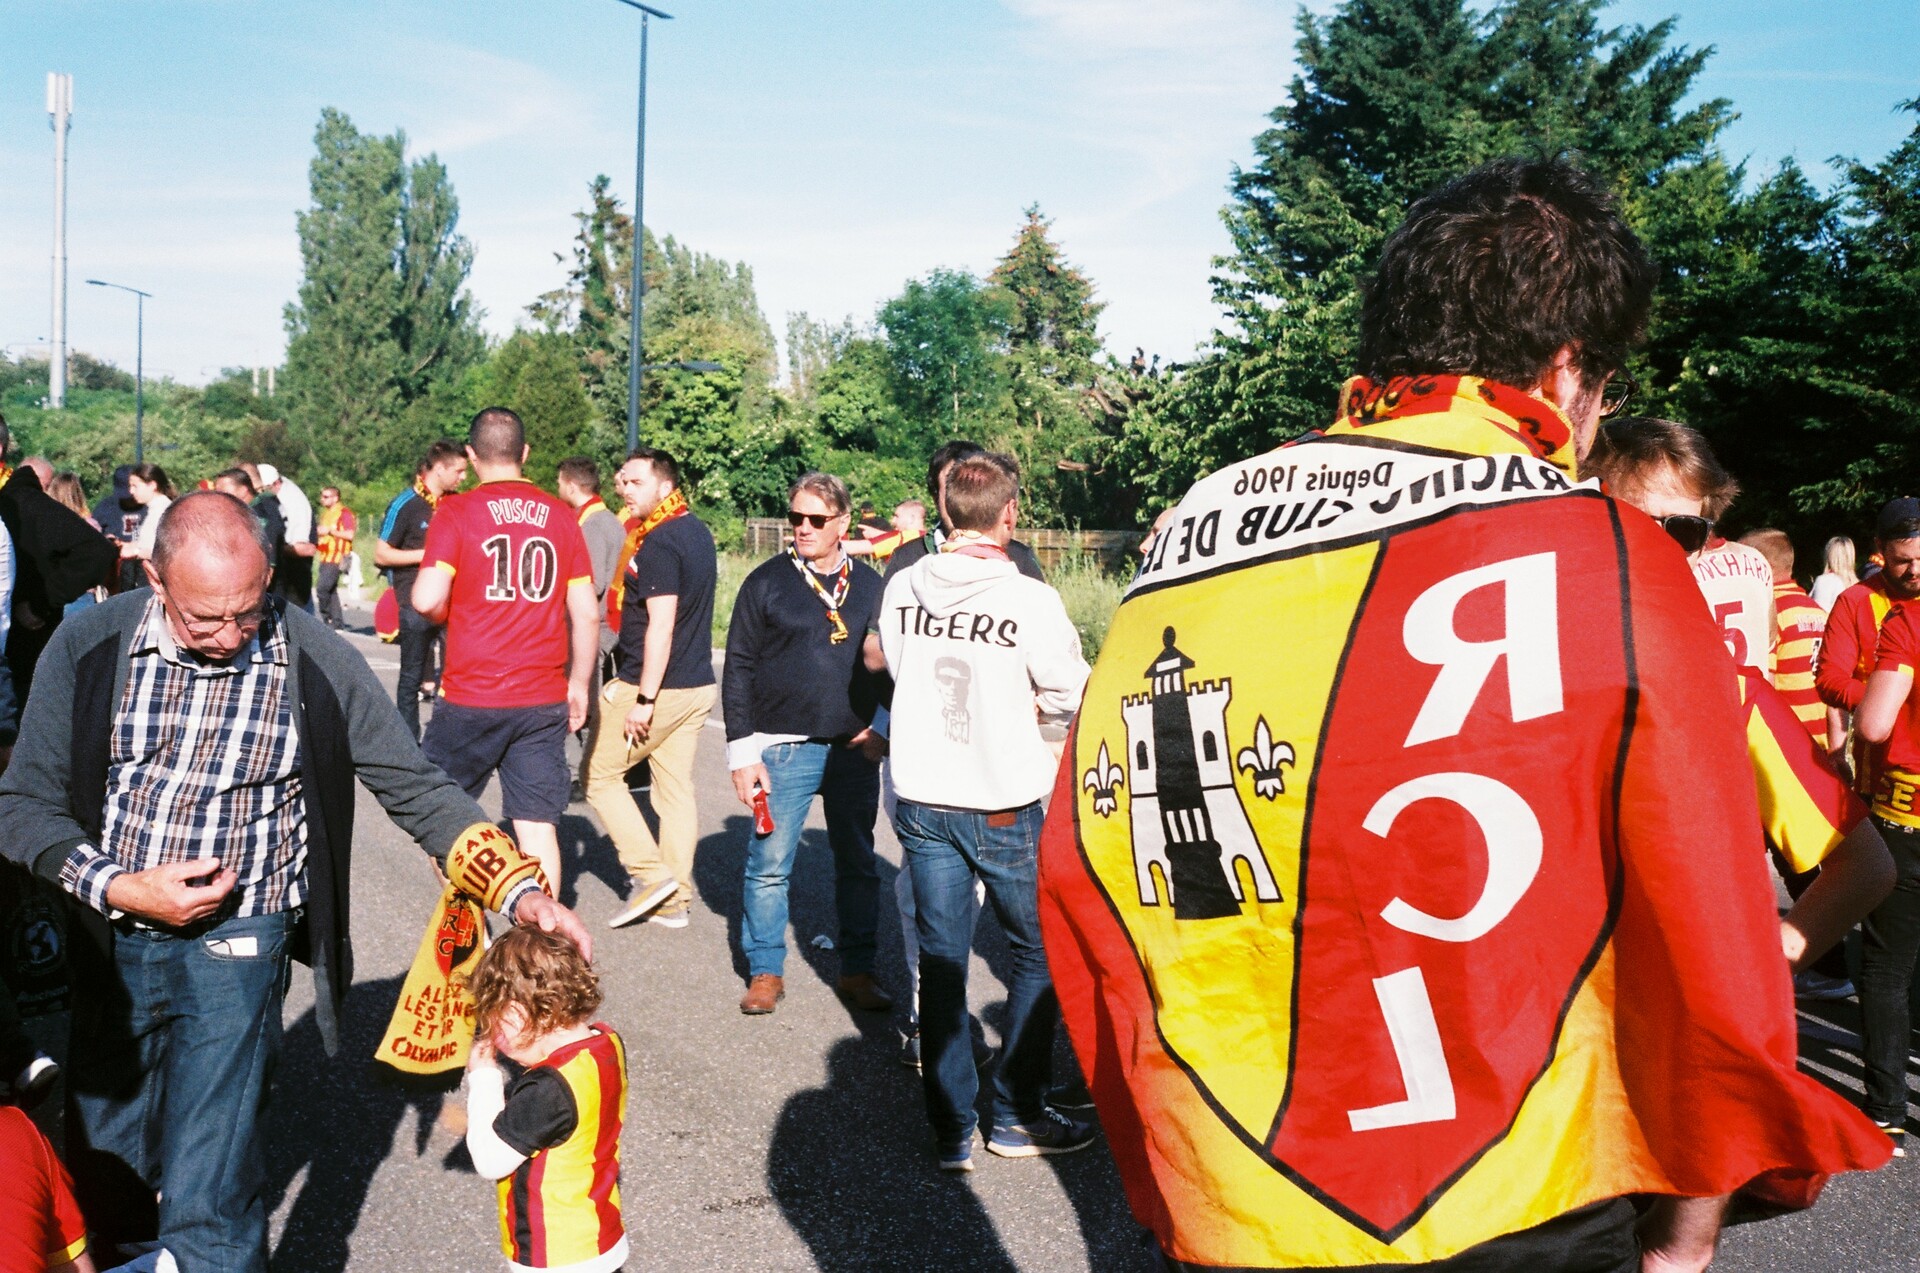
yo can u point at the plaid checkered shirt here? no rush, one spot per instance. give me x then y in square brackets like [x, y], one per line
[203, 762]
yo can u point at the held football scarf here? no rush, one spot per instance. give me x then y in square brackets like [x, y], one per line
[842, 581]
[674, 505]
[1403, 886]
[432, 1025]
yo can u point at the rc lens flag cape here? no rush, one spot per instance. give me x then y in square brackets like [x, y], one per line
[1404, 885]
[432, 1025]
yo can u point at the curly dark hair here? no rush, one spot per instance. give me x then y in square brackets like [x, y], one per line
[1498, 270]
[542, 972]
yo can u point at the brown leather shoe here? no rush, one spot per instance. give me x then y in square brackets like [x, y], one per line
[763, 992]
[861, 991]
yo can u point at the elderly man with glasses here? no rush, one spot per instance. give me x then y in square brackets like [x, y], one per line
[799, 705]
[186, 773]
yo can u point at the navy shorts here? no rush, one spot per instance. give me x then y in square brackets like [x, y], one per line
[527, 746]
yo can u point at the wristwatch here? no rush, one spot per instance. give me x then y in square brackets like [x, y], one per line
[645, 700]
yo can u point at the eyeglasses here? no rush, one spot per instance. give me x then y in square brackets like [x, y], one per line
[1618, 393]
[816, 520]
[1689, 532]
[246, 620]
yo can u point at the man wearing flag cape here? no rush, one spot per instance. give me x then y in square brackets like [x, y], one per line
[1404, 889]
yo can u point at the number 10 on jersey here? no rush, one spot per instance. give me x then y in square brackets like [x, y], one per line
[538, 565]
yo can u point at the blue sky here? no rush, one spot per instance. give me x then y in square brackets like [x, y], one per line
[837, 146]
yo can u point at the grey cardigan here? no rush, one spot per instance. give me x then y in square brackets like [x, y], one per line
[53, 795]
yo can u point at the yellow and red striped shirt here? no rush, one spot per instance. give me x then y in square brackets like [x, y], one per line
[333, 546]
[561, 1207]
[1796, 649]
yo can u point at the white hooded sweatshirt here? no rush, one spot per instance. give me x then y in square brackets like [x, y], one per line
[978, 652]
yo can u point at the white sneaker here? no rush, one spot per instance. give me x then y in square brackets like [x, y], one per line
[644, 903]
[32, 1084]
[670, 917]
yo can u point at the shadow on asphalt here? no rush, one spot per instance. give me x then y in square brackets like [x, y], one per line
[335, 1118]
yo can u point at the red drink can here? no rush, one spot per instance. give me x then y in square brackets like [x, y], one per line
[762, 815]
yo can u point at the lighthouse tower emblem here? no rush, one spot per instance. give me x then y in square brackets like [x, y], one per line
[1185, 812]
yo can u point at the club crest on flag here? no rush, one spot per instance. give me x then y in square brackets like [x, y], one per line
[1191, 837]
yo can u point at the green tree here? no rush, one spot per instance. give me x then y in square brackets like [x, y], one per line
[382, 318]
[946, 346]
[1391, 98]
[1054, 426]
[537, 376]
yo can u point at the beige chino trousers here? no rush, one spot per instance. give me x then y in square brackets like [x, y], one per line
[678, 718]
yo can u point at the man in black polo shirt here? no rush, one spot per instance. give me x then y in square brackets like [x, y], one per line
[657, 706]
[402, 543]
[799, 704]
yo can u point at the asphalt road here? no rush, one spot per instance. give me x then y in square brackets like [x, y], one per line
[793, 1141]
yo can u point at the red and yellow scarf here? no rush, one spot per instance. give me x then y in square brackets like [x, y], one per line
[674, 505]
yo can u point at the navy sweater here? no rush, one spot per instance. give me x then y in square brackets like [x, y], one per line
[784, 674]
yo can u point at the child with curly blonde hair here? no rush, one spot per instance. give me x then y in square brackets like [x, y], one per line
[552, 1136]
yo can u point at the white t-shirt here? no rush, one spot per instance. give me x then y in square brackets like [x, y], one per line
[150, 524]
[298, 511]
[1737, 581]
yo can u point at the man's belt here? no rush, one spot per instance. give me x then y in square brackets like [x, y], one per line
[432, 1025]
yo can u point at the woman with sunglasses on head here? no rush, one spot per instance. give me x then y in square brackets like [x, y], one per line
[1668, 472]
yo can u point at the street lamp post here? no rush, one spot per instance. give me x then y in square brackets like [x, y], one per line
[636, 367]
[139, 365]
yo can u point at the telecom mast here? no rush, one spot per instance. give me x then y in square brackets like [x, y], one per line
[60, 107]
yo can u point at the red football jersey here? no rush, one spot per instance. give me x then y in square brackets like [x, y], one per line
[512, 550]
[1896, 790]
[40, 1224]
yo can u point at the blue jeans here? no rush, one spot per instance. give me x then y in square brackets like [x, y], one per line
[170, 1076]
[848, 785]
[946, 850]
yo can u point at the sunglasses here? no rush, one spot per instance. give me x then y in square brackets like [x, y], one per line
[1687, 531]
[1617, 394]
[816, 520]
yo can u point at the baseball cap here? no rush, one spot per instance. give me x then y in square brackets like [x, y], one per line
[268, 474]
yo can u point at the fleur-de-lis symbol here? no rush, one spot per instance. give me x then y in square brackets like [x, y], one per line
[1263, 761]
[1104, 780]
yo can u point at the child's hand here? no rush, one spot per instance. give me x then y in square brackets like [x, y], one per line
[481, 1054]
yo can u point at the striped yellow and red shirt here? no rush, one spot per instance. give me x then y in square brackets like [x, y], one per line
[560, 1209]
[1796, 649]
[333, 546]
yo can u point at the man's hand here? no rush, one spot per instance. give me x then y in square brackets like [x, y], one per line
[578, 700]
[1678, 1235]
[552, 917]
[176, 894]
[639, 723]
[745, 780]
[869, 744]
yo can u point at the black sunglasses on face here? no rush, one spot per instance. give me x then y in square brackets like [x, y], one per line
[1618, 393]
[816, 520]
[1689, 532]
